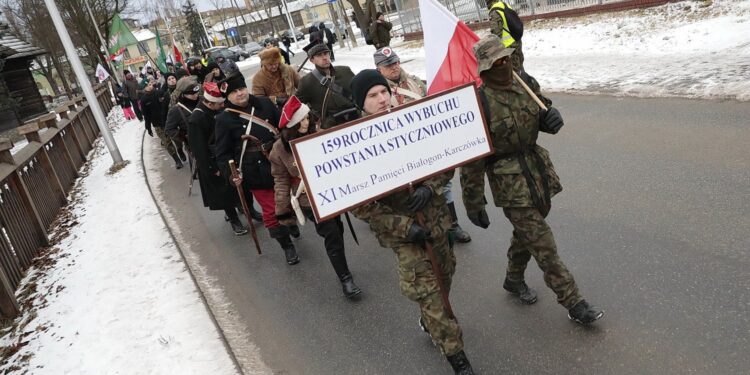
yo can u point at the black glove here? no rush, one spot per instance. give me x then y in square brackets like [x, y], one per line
[550, 121]
[417, 234]
[150, 132]
[419, 198]
[480, 218]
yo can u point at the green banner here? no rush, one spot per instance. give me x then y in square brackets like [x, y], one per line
[161, 58]
[119, 37]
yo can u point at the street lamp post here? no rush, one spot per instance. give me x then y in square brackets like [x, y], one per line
[83, 81]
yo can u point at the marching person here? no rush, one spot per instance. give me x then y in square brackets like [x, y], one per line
[153, 115]
[407, 88]
[507, 25]
[214, 73]
[326, 89]
[275, 80]
[295, 123]
[522, 180]
[394, 221]
[132, 92]
[177, 117]
[196, 68]
[216, 192]
[231, 129]
[380, 31]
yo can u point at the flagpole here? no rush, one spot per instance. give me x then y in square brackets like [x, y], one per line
[101, 39]
[83, 81]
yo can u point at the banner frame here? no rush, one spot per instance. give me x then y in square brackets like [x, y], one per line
[303, 174]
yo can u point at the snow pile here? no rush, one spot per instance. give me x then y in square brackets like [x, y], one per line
[112, 294]
[684, 49]
[681, 49]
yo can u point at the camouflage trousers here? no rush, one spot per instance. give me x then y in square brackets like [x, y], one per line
[517, 57]
[533, 237]
[419, 284]
[167, 142]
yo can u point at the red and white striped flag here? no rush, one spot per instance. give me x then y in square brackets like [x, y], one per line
[448, 42]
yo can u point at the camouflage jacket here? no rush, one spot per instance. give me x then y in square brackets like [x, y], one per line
[513, 120]
[408, 82]
[390, 218]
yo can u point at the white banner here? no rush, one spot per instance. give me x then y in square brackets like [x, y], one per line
[101, 73]
[366, 159]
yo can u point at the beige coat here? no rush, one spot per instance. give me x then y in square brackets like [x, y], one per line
[281, 84]
[286, 179]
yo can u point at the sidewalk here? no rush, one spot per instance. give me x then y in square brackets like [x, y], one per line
[112, 294]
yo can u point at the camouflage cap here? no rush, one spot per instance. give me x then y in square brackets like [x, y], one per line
[488, 50]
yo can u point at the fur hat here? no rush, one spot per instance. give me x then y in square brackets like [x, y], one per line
[270, 56]
[234, 82]
[211, 93]
[294, 111]
[363, 82]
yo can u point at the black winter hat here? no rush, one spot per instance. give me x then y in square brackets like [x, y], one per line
[231, 83]
[363, 82]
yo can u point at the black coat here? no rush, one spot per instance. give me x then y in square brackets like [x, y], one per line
[176, 126]
[216, 191]
[256, 169]
[152, 109]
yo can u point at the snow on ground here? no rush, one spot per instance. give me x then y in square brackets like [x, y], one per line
[680, 49]
[112, 295]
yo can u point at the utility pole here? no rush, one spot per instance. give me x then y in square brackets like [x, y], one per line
[101, 40]
[210, 42]
[352, 38]
[335, 20]
[83, 81]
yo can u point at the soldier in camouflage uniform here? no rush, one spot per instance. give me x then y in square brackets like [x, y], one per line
[393, 219]
[522, 179]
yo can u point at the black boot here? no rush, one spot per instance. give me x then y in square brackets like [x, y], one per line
[584, 313]
[281, 234]
[460, 364]
[520, 289]
[351, 290]
[177, 161]
[460, 235]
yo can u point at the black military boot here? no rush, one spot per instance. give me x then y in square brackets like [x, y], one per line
[177, 162]
[237, 226]
[458, 233]
[584, 313]
[281, 234]
[460, 364]
[351, 290]
[520, 289]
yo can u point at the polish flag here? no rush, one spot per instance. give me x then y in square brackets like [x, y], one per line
[177, 54]
[448, 42]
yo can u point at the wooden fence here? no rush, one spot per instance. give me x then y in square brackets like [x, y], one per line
[34, 184]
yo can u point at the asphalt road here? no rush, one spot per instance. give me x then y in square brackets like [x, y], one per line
[653, 222]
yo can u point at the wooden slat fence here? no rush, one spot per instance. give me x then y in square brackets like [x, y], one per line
[34, 183]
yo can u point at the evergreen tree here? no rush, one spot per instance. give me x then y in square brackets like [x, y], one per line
[195, 28]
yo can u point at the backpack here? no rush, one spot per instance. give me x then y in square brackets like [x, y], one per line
[515, 25]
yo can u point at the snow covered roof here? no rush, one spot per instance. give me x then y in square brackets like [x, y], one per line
[294, 6]
[143, 34]
[13, 48]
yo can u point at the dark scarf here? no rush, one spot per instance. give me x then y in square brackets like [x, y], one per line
[499, 77]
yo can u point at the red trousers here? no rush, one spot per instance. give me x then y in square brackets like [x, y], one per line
[267, 202]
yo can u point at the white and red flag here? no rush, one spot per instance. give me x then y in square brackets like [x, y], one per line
[448, 42]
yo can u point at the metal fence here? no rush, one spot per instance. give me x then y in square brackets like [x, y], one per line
[406, 18]
[34, 183]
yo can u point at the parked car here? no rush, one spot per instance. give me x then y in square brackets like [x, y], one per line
[271, 40]
[224, 51]
[238, 49]
[253, 48]
[286, 34]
